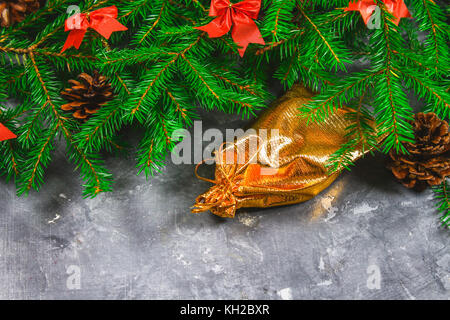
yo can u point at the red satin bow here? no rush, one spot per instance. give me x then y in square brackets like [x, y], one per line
[5, 133]
[102, 20]
[396, 7]
[245, 30]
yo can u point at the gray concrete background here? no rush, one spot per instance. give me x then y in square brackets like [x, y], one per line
[142, 242]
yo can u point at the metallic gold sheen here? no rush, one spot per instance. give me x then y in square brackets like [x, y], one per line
[300, 173]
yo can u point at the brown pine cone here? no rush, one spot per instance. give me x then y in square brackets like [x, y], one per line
[13, 11]
[88, 95]
[432, 136]
[428, 162]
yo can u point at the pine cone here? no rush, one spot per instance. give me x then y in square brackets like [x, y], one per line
[428, 162]
[13, 11]
[88, 95]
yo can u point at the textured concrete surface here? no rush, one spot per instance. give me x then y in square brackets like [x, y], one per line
[142, 242]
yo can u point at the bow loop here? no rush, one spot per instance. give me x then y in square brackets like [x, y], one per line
[241, 15]
[103, 20]
[110, 12]
[5, 133]
[219, 7]
[250, 7]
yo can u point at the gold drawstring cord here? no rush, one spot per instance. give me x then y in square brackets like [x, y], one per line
[220, 192]
[199, 176]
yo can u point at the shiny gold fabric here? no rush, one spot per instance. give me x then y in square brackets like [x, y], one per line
[295, 174]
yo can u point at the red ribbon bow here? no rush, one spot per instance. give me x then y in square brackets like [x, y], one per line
[102, 20]
[365, 7]
[5, 133]
[245, 30]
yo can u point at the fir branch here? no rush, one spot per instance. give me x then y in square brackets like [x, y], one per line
[277, 21]
[335, 96]
[438, 100]
[91, 167]
[33, 172]
[442, 196]
[156, 74]
[321, 34]
[11, 160]
[155, 23]
[361, 137]
[199, 76]
[431, 20]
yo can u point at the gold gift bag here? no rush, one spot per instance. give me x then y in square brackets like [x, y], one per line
[285, 168]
